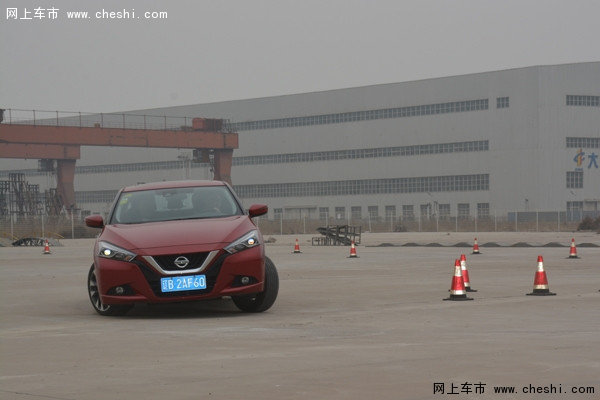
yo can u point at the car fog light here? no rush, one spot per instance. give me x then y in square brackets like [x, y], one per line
[119, 290]
[245, 280]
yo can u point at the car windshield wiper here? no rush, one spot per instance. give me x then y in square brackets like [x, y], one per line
[182, 219]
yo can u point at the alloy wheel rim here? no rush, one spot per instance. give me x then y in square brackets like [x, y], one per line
[95, 294]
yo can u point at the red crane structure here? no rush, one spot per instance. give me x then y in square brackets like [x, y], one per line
[60, 139]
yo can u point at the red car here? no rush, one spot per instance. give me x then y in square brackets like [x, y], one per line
[180, 241]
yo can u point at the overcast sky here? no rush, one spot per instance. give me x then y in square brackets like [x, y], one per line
[206, 51]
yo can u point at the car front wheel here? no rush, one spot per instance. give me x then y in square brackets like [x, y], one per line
[94, 293]
[262, 301]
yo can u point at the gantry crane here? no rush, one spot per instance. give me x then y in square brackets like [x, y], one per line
[41, 140]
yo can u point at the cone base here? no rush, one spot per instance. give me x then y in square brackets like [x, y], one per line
[458, 297]
[296, 252]
[573, 257]
[352, 257]
[541, 292]
[470, 290]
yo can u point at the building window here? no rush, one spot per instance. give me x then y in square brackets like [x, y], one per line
[373, 212]
[483, 210]
[356, 212]
[340, 213]
[385, 113]
[278, 213]
[390, 213]
[95, 196]
[324, 213]
[463, 210]
[408, 213]
[449, 183]
[397, 151]
[444, 210]
[585, 101]
[424, 184]
[502, 102]
[426, 210]
[574, 179]
[583, 142]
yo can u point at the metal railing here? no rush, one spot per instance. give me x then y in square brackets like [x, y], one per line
[99, 120]
[73, 226]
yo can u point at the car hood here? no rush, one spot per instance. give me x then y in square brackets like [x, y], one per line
[207, 233]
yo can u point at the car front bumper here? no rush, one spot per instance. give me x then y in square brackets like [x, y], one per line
[140, 281]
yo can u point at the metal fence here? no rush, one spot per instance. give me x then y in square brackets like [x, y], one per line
[58, 227]
[73, 226]
[512, 221]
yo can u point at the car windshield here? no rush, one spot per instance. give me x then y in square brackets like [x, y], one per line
[175, 204]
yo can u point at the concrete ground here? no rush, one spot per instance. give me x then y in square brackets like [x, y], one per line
[372, 327]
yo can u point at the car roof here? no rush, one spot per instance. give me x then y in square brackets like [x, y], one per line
[171, 185]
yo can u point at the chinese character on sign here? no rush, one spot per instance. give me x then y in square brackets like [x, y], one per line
[438, 388]
[11, 13]
[593, 157]
[579, 157]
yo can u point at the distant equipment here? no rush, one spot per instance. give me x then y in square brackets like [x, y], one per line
[338, 235]
[18, 197]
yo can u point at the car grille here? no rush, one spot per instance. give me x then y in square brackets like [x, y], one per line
[153, 278]
[167, 262]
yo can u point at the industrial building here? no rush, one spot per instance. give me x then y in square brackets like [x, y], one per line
[476, 145]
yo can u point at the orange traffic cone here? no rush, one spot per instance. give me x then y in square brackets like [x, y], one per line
[465, 273]
[297, 247]
[457, 290]
[573, 250]
[352, 251]
[540, 283]
[475, 248]
[46, 247]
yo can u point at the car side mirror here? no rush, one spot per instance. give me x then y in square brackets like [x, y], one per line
[94, 221]
[257, 210]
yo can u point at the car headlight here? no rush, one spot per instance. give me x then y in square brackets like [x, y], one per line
[247, 241]
[107, 250]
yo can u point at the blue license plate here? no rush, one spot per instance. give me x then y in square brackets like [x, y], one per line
[180, 283]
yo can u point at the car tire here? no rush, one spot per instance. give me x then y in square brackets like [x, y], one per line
[94, 294]
[262, 301]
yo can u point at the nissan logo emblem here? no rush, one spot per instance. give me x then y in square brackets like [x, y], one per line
[181, 262]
